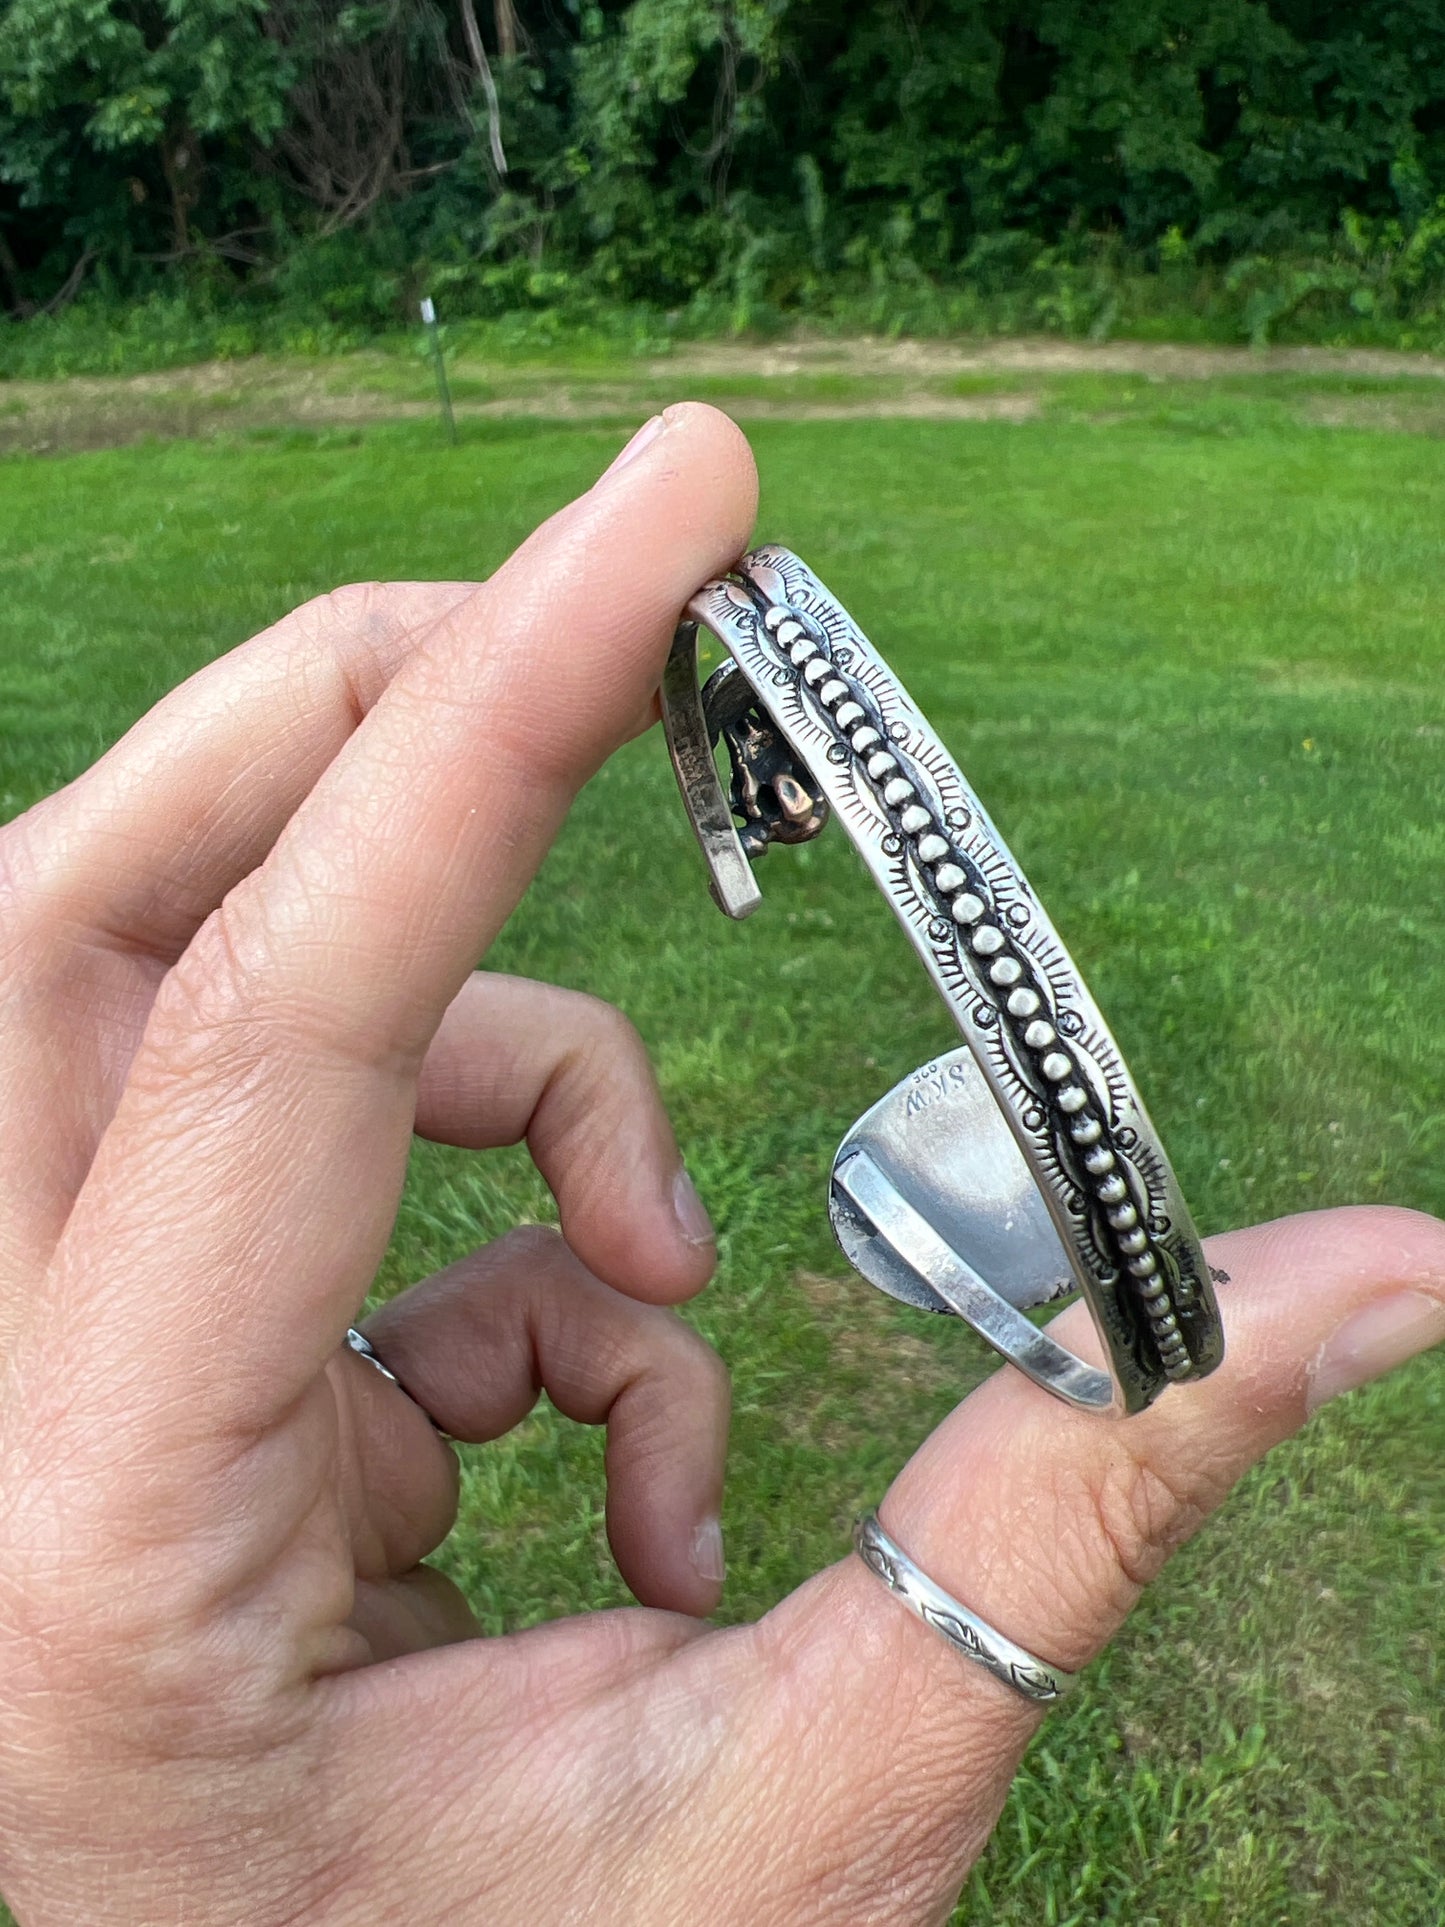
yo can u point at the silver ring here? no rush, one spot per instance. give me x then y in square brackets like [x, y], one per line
[358, 1342]
[1010, 1173]
[363, 1347]
[1028, 1675]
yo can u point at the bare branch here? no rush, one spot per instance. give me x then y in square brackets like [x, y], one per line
[505, 14]
[69, 287]
[226, 247]
[489, 86]
[344, 141]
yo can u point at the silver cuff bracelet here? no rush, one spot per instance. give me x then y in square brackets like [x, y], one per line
[1002, 1176]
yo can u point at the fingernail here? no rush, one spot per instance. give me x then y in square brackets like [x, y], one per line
[1374, 1342]
[708, 1560]
[690, 1211]
[645, 435]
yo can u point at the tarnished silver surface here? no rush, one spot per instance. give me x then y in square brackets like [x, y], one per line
[1087, 1198]
[689, 742]
[1034, 1678]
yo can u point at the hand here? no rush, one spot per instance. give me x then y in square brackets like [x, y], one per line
[235, 977]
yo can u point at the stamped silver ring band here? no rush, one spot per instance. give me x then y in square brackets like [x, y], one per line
[1034, 1678]
[1004, 1175]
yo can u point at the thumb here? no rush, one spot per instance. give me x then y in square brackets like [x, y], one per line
[1049, 1522]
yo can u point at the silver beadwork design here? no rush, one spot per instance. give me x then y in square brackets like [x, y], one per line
[1039, 1040]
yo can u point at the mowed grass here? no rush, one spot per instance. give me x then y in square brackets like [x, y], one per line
[1192, 662]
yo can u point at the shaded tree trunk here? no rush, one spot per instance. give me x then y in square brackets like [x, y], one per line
[181, 165]
[20, 305]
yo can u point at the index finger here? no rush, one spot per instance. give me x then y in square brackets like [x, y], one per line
[252, 1169]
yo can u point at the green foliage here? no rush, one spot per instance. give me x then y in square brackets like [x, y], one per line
[1278, 165]
[104, 104]
[204, 64]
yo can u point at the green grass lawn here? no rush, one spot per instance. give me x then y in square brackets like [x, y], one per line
[1190, 656]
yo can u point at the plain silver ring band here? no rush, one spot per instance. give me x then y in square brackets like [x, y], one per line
[358, 1342]
[1023, 1672]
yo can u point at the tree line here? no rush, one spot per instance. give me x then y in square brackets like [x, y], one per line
[667, 152]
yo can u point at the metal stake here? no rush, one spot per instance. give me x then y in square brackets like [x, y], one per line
[444, 393]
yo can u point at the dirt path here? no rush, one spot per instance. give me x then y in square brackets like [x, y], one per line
[809, 380]
[1043, 355]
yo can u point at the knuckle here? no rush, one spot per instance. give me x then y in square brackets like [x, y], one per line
[353, 632]
[30, 904]
[608, 1039]
[1132, 1513]
[601, 1090]
[233, 1003]
[679, 1377]
[209, 1005]
[351, 608]
[223, 967]
[702, 1366]
[531, 1247]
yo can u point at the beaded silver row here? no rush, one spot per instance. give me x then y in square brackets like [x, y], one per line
[965, 898]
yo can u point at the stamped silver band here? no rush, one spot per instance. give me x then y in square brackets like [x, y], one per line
[1006, 1175]
[1026, 1674]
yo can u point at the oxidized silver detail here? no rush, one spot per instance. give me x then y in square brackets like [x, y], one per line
[1012, 1665]
[1054, 1071]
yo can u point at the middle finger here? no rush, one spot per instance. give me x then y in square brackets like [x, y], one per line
[478, 1342]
